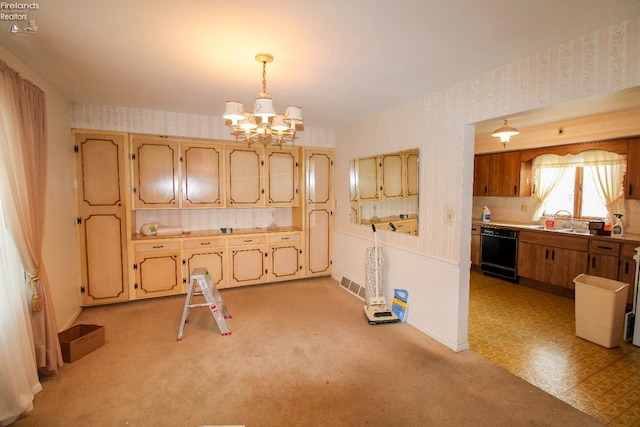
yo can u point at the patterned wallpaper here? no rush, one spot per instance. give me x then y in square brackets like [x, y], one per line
[605, 61]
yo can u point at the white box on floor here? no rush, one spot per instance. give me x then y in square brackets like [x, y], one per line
[600, 308]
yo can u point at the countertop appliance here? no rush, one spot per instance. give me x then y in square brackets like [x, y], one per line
[499, 252]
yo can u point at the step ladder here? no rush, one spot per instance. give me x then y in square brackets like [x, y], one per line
[201, 277]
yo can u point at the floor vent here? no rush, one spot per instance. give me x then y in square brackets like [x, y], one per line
[353, 287]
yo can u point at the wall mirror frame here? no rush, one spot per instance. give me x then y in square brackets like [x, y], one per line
[384, 191]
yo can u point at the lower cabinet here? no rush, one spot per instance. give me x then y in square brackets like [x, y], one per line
[556, 260]
[248, 261]
[208, 253]
[603, 258]
[475, 245]
[627, 267]
[158, 269]
[287, 260]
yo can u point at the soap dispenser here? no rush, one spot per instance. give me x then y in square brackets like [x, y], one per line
[618, 229]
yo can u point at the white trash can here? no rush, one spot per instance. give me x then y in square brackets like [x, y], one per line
[600, 309]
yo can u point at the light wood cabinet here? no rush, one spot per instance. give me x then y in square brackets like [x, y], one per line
[632, 175]
[552, 259]
[411, 183]
[102, 230]
[245, 177]
[501, 174]
[287, 259]
[158, 268]
[208, 253]
[318, 212]
[282, 177]
[155, 172]
[367, 179]
[603, 258]
[202, 172]
[248, 261]
[392, 176]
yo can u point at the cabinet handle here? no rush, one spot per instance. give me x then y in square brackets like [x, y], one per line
[630, 189]
[205, 243]
[553, 255]
[593, 262]
[546, 254]
[158, 246]
[248, 240]
[285, 238]
[605, 247]
[515, 189]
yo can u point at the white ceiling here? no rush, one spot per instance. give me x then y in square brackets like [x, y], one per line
[338, 59]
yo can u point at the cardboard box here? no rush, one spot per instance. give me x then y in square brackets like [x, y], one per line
[80, 340]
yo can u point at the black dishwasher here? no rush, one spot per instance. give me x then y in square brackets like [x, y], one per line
[499, 252]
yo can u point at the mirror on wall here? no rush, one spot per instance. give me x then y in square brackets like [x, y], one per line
[384, 191]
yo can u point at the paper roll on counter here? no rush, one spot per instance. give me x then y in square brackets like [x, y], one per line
[168, 231]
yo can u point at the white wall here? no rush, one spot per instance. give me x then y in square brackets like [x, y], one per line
[59, 251]
[434, 267]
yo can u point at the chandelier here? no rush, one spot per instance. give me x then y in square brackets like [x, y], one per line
[270, 127]
[505, 132]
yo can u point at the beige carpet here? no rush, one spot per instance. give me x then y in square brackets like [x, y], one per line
[300, 354]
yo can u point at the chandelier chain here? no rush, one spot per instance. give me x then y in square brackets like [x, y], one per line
[264, 76]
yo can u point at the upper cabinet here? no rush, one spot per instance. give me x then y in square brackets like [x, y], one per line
[282, 176]
[155, 172]
[245, 178]
[202, 183]
[501, 174]
[385, 177]
[632, 176]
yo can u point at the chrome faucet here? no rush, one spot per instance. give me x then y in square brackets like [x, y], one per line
[563, 222]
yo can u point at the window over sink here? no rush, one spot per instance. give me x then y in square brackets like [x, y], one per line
[587, 185]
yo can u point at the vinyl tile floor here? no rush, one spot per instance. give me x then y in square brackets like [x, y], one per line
[531, 334]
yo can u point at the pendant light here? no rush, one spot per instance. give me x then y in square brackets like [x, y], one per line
[505, 132]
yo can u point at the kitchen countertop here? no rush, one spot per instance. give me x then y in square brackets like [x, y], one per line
[627, 237]
[217, 233]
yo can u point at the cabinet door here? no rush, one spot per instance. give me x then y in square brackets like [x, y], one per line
[155, 173]
[245, 178]
[533, 261]
[100, 178]
[282, 177]
[504, 174]
[202, 183]
[210, 254]
[632, 175]
[603, 266]
[567, 264]
[475, 246]
[481, 169]
[368, 187]
[158, 273]
[319, 212]
[248, 265]
[392, 173]
[411, 160]
[286, 257]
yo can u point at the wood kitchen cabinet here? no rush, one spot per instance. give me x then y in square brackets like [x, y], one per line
[475, 245]
[501, 174]
[287, 259]
[603, 258]
[627, 267]
[282, 169]
[100, 189]
[155, 172]
[392, 174]
[248, 260]
[158, 268]
[318, 211]
[368, 187]
[552, 259]
[202, 180]
[208, 253]
[411, 181]
[632, 175]
[245, 177]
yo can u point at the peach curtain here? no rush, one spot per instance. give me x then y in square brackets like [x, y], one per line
[22, 193]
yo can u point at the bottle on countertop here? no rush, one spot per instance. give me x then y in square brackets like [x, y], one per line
[486, 214]
[617, 229]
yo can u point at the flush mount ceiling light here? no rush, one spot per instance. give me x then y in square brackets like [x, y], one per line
[271, 128]
[505, 132]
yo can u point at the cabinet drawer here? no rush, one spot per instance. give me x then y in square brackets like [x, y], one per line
[157, 246]
[628, 250]
[604, 247]
[550, 238]
[256, 240]
[279, 238]
[205, 243]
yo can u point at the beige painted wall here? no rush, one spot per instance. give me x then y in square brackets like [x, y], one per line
[59, 250]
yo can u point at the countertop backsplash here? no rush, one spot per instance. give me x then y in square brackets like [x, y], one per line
[520, 210]
[214, 219]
